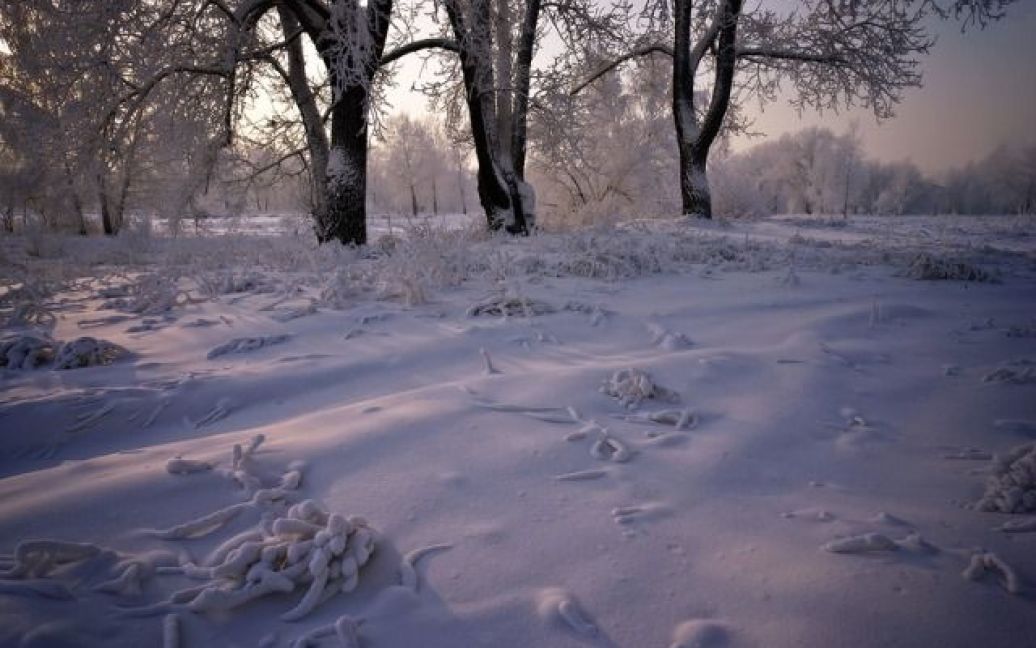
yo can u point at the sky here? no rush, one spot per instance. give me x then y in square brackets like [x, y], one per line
[979, 93]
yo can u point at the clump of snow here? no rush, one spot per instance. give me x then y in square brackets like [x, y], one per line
[246, 345]
[87, 352]
[929, 268]
[633, 386]
[25, 351]
[983, 563]
[1012, 486]
[556, 605]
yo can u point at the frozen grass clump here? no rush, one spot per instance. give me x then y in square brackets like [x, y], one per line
[1012, 486]
[150, 294]
[925, 267]
[25, 351]
[633, 386]
[87, 352]
[227, 283]
[247, 345]
[501, 305]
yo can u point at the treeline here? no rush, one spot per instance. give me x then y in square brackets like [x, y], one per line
[816, 171]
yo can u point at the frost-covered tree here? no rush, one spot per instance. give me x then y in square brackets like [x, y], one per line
[497, 43]
[834, 53]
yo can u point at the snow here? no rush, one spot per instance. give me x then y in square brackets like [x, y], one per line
[524, 447]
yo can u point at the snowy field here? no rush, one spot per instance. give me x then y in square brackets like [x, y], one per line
[790, 432]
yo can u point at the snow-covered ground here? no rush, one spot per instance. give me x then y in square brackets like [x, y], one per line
[762, 434]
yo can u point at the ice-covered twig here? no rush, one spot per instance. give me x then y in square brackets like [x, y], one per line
[487, 363]
[203, 525]
[407, 568]
[171, 631]
[864, 543]
[681, 419]
[36, 557]
[581, 475]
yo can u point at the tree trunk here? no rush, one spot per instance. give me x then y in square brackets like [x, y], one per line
[312, 122]
[102, 200]
[346, 217]
[77, 204]
[498, 189]
[695, 138]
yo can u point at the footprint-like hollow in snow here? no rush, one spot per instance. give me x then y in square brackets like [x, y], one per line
[700, 633]
[246, 345]
[556, 605]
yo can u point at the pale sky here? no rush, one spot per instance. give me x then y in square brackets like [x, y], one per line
[979, 93]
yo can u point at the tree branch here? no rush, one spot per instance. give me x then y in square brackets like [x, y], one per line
[614, 63]
[418, 45]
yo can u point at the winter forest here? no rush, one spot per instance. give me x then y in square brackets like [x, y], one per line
[479, 323]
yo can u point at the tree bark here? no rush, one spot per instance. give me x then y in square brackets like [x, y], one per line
[346, 216]
[695, 138]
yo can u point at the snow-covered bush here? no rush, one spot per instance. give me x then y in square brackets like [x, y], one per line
[928, 268]
[25, 351]
[87, 352]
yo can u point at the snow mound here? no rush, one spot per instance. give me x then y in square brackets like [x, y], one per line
[25, 351]
[633, 386]
[246, 345]
[1012, 486]
[87, 352]
[925, 267]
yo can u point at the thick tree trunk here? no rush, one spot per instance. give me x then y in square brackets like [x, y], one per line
[498, 188]
[346, 217]
[695, 138]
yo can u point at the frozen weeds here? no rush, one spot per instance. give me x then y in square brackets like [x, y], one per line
[25, 351]
[632, 386]
[1012, 486]
[247, 345]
